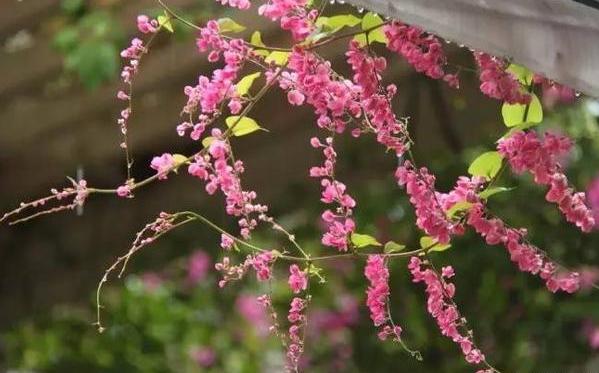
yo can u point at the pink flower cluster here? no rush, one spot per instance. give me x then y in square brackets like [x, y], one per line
[525, 151]
[528, 257]
[423, 51]
[498, 83]
[295, 345]
[294, 15]
[367, 70]
[377, 296]
[216, 170]
[440, 305]
[340, 225]
[207, 96]
[197, 267]
[146, 25]
[553, 92]
[239, 4]
[163, 165]
[298, 280]
[261, 263]
[430, 216]
[375, 103]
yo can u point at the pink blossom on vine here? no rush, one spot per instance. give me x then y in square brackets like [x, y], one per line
[123, 191]
[430, 216]
[440, 305]
[338, 234]
[377, 296]
[293, 14]
[262, 265]
[252, 311]
[295, 97]
[553, 92]
[366, 69]
[525, 151]
[226, 242]
[295, 346]
[145, 25]
[298, 281]
[498, 83]
[240, 4]
[163, 165]
[423, 51]
[528, 257]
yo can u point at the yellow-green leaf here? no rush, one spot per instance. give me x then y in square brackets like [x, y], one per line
[207, 141]
[278, 57]
[245, 83]
[458, 207]
[242, 126]
[371, 20]
[363, 240]
[165, 21]
[228, 25]
[522, 73]
[431, 244]
[256, 40]
[393, 247]
[338, 22]
[377, 36]
[517, 114]
[492, 191]
[487, 165]
[179, 159]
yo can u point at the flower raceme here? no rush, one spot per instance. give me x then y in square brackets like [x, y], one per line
[525, 151]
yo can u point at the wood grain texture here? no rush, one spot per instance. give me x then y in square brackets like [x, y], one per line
[559, 38]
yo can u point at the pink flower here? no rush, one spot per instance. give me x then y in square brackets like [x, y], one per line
[240, 4]
[423, 51]
[295, 97]
[226, 242]
[123, 191]
[163, 165]
[197, 266]
[253, 312]
[498, 83]
[298, 280]
[146, 25]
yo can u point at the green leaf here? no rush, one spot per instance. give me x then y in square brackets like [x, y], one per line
[431, 244]
[458, 207]
[393, 247]
[363, 240]
[522, 73]
[516, 114]
[207, 141]
[278, 57]
[94, 62]
[228, 25]
[377, 36]
[371, 20]
[245, 83]
[179, 159]
[485, 194]
[256, 40]
[487, 164]
[338, 22]
[165, 21]
[242, 126]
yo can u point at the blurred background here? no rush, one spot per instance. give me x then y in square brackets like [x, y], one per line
[58, 111]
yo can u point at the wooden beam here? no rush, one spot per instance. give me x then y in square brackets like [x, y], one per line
[559, 38]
